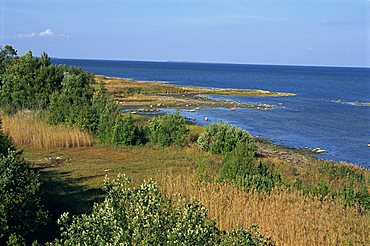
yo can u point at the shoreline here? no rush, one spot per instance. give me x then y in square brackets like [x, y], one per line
[296, 156]
[151, 97]
[143, 94]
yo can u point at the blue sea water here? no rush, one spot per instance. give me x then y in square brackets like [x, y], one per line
[323, 114]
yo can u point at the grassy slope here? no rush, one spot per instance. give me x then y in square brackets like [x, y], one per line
[74, 175]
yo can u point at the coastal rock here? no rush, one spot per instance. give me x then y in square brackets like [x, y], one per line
[318, 150]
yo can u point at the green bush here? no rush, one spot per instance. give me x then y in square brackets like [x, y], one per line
[143, 216]
[20, 199]
[6, 143]
[353, 197]
[240, 167]
[249, 237]
[222, 138]
[169, 130]
[127, 132]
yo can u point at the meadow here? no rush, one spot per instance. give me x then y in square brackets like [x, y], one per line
[74, 176]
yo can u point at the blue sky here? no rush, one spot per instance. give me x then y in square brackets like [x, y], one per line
[309, 32]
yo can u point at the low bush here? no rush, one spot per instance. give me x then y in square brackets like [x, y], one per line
[169, 130]
[222, 138]
[21, 209]
[127, 132]
[240, 167]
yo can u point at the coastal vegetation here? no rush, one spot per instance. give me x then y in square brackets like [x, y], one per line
[72, 132]
[129, 94]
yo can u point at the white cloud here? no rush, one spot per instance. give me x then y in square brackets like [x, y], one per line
[47, 33]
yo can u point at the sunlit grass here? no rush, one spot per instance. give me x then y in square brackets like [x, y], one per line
[290, 218]
[26, 129]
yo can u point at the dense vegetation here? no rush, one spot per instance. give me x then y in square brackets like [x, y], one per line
[21, 209]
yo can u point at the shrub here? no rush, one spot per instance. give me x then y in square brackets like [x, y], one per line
[169, 130]
[241, 168]
[240, 236]
[143, 216]
[126, 132]
[6, 143]
[222, 138]
[20, 196]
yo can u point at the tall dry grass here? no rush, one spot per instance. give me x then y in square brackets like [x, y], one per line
[290, 218]
[26, 129]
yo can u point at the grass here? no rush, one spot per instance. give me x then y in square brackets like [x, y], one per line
[73, 177]
[26, 128]
[290, 218]
[128, 87]
[129, 93]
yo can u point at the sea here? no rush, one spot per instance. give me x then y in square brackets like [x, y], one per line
[330, 110]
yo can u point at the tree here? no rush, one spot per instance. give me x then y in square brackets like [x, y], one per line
[7, 53]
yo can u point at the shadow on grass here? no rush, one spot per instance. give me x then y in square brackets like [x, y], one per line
[61, 193]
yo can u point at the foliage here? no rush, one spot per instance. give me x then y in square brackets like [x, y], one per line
[143, 216]
[240, 236]
[73, 105]
[127, 132]
[7, 52]
[241, 167]
[352, 197]
[27, 81]
[15, 240]
[169, 130]
[20, 196]
[112, 128]
[6, 143]
[222, 138]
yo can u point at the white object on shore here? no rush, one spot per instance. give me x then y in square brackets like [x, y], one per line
[318, 150]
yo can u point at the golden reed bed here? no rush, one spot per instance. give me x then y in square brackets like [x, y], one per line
[289, 218]
[26, 129]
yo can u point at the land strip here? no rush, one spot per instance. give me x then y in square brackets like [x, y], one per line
[137, 94]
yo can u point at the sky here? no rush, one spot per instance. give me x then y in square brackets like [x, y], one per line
[299, 32]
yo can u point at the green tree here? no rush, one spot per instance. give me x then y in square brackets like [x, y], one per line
[7, 53]
[28, 81]
[73, 105]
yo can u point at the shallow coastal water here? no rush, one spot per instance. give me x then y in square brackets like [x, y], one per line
[326, 112]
